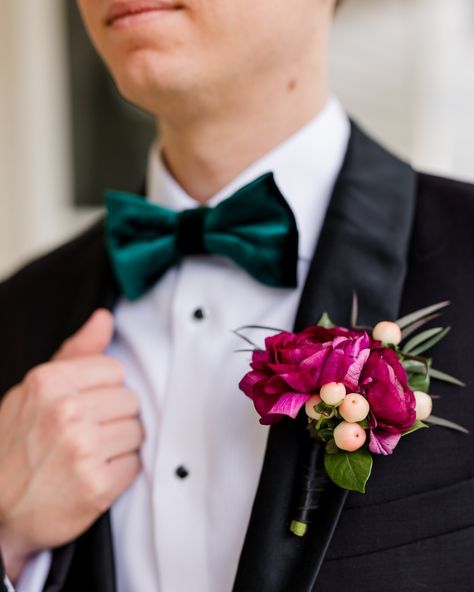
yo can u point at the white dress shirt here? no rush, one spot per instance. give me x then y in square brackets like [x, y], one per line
[182, 523]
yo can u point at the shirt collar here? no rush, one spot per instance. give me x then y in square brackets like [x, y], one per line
[305, 166]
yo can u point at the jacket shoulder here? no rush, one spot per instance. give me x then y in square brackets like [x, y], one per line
[444, 217]
[48, 299]
[65, 260]
[441, 194]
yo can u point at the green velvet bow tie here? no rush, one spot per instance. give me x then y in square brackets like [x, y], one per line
[255, 228]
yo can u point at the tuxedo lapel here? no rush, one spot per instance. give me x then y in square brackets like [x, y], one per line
[88, 563]
[363, 247]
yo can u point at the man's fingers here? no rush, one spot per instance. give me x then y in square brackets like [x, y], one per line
[121, 437]
[90, 372]
[121, 472]
[92, 338]
[109, 403]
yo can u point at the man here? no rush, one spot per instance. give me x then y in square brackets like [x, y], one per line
[239, 90]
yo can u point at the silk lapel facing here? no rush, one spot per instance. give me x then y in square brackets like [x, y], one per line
[363, 247]
[88, 563]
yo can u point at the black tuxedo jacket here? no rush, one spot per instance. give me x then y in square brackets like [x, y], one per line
[402, 240]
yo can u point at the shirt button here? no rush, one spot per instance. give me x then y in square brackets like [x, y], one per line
[199, 314]
[182, 472]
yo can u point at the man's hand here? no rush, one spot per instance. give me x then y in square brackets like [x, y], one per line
[69, 437]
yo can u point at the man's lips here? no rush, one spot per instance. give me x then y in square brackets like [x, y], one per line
[123, 11]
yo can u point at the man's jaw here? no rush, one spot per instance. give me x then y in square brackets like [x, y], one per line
[128, 13]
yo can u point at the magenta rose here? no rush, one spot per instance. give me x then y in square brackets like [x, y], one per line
[295, 366]
[383, 382]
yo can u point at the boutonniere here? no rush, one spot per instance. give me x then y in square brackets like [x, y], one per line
[362, 389]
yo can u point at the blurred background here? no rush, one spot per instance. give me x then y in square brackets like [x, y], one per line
[403, 68]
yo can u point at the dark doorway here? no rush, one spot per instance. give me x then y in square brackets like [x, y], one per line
[110, 137]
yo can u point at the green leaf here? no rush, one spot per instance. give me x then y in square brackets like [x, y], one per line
[418, 425]
[419, 314]
[445, 423]
[324, 408]
[312, 428]
[443, 377]
[418, 374]
[419, 382]
[431, 342]
[325, 322]
[416, 367]
[420, 338]
[325, 434]
[331, 447]
[349, 470]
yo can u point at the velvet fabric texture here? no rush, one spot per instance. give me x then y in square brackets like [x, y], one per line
[255, 228]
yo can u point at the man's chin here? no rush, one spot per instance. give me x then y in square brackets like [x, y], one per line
[154, 85]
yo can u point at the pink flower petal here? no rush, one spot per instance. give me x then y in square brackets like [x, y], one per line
[382, 442]
[289, 404]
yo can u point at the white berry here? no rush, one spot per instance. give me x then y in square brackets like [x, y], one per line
[387, 332]
[349, 436]
[424, 405]
[354, 408]
[310, 405]
[333, 393]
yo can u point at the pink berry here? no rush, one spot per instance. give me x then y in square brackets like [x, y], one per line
[424, 405]
[310, 405]
[349, 436]
[387, 332]
[354, 408]
[333, 393]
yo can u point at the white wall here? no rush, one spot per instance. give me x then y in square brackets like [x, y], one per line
[403, 68]
[35, 153]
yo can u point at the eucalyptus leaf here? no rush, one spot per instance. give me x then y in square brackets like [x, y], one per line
[419, 382]
[418, 374]
[325, 322]
[420, 314]
[445, 423]
[355, 310]
[349, 470]
[263, 327]
[420, 338]
[246, 339]
[418, 425]
[245, 351]
[431, 342]
[443, 377]
[415, 367]
[421, 323]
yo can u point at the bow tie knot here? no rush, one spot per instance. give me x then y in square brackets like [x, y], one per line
[190, 231]
[255, 228]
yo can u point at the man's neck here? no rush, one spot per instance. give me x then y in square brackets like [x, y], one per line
[204, 153]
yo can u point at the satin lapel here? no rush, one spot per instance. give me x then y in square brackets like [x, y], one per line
[363, 247]
[88, 563]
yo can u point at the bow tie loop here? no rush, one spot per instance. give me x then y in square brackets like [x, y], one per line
[255, 228]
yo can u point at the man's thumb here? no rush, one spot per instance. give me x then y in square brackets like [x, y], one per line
[92, 338]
